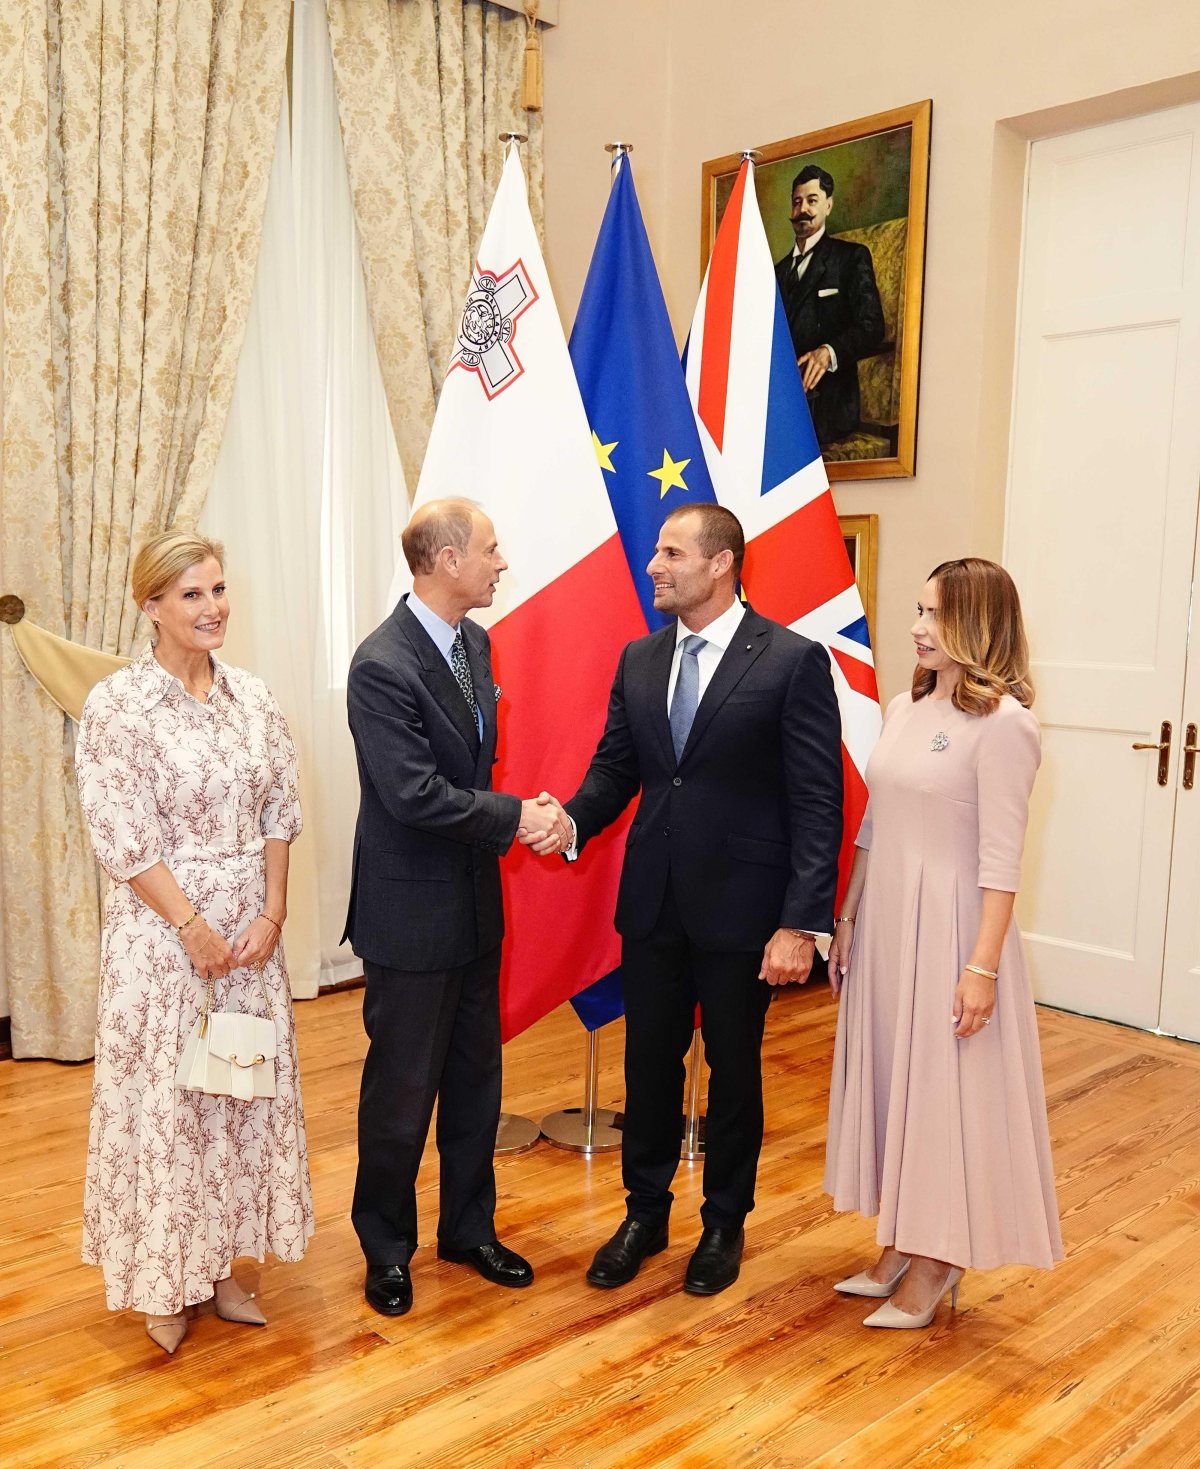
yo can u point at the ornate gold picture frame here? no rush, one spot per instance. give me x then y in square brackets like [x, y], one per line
[863, 285]
[861, 535]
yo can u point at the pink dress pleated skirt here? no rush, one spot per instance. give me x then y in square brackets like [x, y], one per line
[945, 1140]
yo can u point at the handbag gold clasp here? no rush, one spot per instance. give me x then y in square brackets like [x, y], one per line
[246, 1065]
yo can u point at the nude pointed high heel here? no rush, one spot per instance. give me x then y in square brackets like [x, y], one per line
[167, 1331]
[862, 1284]
[245, 1312]
[893, 1318]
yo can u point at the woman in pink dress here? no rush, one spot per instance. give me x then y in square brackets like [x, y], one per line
[187, 776]
[937, 1112]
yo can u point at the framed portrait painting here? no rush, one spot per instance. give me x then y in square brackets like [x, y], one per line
[844, 210]
[860, 534]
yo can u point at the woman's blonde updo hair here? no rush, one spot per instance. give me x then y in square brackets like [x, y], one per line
[979, 625]
[165, 557]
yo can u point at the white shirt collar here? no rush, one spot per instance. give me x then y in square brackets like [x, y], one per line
[809, 245]
[720, 631]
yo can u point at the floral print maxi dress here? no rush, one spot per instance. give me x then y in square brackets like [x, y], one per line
[180, 1183]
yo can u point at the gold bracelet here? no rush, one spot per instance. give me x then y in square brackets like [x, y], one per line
[979, 969]
[278, 927]
[179, 927]
[848, 919]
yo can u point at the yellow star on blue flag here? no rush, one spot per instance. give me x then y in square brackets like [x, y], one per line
[670, 476]
[604, 452]
[632, 385]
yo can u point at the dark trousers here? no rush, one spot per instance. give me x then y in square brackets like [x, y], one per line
[433, 1035]
[664, 976]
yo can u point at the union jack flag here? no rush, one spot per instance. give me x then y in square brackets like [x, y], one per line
[766, 467]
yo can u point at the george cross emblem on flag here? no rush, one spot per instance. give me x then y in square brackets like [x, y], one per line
[488, 327]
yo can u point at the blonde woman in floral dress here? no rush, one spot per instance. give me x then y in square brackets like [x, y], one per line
[187, 776]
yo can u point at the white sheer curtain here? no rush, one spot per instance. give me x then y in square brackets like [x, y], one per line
[309, 494]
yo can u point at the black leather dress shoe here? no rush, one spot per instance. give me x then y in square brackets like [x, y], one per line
[494, 1262]
[618, 1261]
[389, 1289]
[715, 1262]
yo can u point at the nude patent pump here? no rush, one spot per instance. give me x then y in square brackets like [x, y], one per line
[894, 1319]
[167, 1331]
[862, 1284]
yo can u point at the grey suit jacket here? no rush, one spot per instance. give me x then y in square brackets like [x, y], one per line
[425, 892]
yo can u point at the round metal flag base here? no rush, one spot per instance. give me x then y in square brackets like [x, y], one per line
[693, 1138]
[569, 1129]
[516, 1134]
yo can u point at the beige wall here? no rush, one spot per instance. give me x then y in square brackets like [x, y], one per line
[687, 80]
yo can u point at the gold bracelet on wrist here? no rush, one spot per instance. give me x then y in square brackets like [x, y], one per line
[849, 918]
[278, 927]
[179, 927]
[979, 969]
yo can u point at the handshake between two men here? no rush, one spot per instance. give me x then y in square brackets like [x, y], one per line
[545, 827]
[723, 728]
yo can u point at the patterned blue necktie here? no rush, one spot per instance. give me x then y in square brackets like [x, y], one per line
[462, 670]
[687, 691]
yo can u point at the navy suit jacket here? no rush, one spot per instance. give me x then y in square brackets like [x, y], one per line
[425, 892]
[747, 824]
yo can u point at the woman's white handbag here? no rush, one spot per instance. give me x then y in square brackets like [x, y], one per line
[230, 1055]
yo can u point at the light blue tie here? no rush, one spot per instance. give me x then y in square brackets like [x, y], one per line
[687, 692]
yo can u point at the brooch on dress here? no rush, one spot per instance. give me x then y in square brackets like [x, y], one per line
[940, 741]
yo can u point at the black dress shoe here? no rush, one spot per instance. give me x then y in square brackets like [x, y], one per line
[618, 1261]
[389, 1289]
[494, 1262]
[715, 1262]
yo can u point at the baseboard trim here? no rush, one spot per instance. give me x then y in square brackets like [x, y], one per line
[355, 982]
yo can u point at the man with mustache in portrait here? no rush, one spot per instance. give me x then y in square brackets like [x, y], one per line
[832, 306]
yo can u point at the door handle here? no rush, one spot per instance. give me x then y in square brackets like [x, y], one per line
[1164, 750]
[1190, 751]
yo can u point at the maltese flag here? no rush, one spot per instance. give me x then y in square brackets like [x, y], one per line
[510, 432]
[766, 467]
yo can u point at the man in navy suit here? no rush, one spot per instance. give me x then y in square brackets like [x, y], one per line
[832, 306]
[425, 912]
[727, 725]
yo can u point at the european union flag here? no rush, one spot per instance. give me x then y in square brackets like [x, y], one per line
[643, 427]
[633, 388]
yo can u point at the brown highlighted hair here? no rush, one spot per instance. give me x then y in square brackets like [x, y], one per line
[164, 558]
[980, 626]
[718, 530]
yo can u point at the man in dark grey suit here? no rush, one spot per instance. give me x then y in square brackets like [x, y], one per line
[726, 725]
[425, 911]
[832, 307]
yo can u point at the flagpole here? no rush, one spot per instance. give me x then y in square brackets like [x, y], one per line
[514, 1133]
[588, 1129]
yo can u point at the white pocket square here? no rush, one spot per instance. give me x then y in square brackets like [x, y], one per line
[828, 291]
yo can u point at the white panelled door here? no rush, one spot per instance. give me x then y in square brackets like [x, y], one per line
[1101, 539]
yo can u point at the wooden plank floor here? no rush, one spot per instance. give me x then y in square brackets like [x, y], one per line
[1096, 1363]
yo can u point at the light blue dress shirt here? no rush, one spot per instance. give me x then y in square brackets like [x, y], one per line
[443, 636]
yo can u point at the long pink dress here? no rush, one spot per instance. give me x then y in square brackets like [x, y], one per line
[179, 1183]
[945, 1140]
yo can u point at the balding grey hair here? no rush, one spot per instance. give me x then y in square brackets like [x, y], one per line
[436, 525]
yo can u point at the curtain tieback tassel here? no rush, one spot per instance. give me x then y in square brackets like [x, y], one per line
[531, 80]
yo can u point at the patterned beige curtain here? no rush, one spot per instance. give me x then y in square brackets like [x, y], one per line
[424, 89]
[135, 149]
